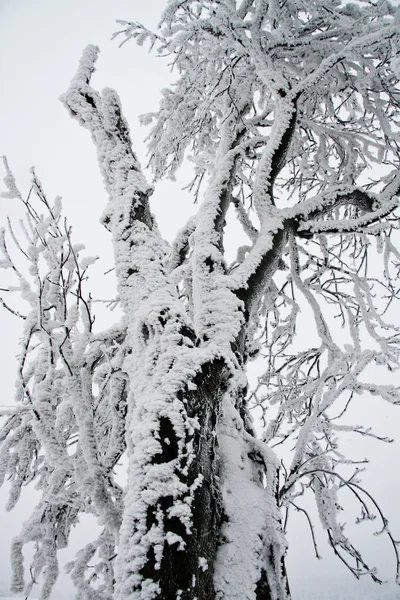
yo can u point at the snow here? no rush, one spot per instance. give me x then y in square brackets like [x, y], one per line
[253, 532]
[327, 590]
[247, 109]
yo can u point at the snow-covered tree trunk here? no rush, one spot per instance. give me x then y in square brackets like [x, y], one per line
[196, 472]
[286, 106]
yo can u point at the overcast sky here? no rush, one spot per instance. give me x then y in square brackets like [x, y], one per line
[40, 45]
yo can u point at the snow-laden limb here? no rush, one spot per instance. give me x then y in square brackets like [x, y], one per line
[180, 246]
[273, 157]
[101, 115]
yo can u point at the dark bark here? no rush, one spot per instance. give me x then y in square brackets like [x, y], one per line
[180, 569]
[263, 590]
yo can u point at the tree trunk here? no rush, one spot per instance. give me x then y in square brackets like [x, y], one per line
[201, 517]
[188, 573]
[216, 549]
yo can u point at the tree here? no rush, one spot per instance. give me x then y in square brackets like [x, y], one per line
[290, 112]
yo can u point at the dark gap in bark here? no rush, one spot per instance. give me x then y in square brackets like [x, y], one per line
[145, 332]
[188, 333]
[175, 524]
[140, 210]
[89, 100]
[163, 317]
[168, 441]
[209, 263]
[263, 591]
[150, 516]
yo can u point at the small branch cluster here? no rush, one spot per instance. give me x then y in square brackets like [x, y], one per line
[67, 430]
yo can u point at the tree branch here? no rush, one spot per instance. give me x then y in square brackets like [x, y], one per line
[102, 117]
[350, 225]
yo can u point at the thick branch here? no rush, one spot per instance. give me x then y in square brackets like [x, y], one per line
[180, 245]
[260, 273]
[350, 225]
[319, 205]
[278, 160]
[274, 153]
[255, 284]
[103, 118]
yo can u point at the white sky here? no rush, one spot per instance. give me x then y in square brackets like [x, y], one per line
[40, 45]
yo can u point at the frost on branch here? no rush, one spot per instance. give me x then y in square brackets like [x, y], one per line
[289, 112]
[62, 435]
